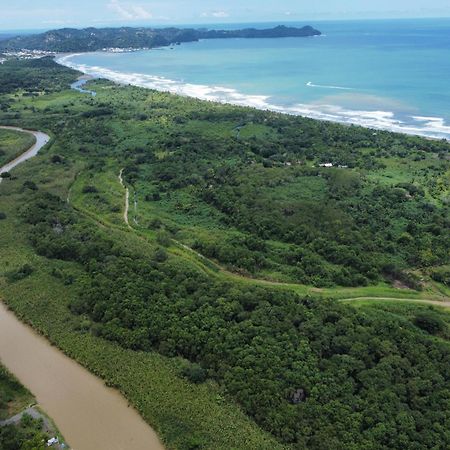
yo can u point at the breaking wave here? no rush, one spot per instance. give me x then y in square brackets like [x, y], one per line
[432, 127]
[324, 86]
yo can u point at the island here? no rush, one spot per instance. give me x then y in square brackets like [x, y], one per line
[94, 39]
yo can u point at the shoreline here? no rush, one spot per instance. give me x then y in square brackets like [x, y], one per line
[433, 128]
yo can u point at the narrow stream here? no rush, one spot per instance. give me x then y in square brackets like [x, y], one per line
[90, 415]
[78, 85]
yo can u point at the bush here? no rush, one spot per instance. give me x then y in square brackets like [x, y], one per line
[194, 372]
[441, 276]
[160, 255]
[155, 224]
[21, 273]
[163, 238]
[30, 185]
[89, 189]
[2, 215]
[57, 159]
[429, 322]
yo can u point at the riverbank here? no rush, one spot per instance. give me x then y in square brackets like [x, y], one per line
[81, 81]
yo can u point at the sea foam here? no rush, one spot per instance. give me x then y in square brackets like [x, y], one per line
[432, 127]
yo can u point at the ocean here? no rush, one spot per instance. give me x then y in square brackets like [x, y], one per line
[383, 74]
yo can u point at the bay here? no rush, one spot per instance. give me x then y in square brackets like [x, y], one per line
[385, 74]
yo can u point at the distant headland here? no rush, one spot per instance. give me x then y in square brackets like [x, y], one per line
[94, 39]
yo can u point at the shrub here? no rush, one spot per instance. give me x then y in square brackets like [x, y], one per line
[21, 273]
[160, 255]
[441, 276]
[163, 238]
[57, 159]
[430, 322]
[30, 185]
[89, 189]
[194, 372]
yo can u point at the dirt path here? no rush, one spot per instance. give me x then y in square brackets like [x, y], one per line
[127, 200]
[445, 304]
[33, 412]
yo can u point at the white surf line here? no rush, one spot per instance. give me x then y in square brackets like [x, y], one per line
[127, 199]
[322, 86]
[375, 120]
[41, 140]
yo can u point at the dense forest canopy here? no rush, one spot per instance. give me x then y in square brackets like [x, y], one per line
[246, 188]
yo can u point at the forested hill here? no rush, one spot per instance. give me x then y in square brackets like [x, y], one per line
[92, 39]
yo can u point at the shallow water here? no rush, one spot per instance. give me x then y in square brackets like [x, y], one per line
[383, 74]
[88, 414]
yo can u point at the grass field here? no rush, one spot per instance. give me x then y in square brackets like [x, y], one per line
[107, 204]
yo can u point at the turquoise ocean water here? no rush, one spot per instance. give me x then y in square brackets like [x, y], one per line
[383, 74]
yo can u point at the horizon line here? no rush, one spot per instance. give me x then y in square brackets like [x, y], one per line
[161, 24]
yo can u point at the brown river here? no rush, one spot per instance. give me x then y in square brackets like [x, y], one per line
[90, 415]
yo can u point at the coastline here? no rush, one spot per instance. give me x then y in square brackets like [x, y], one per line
[377, 120]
